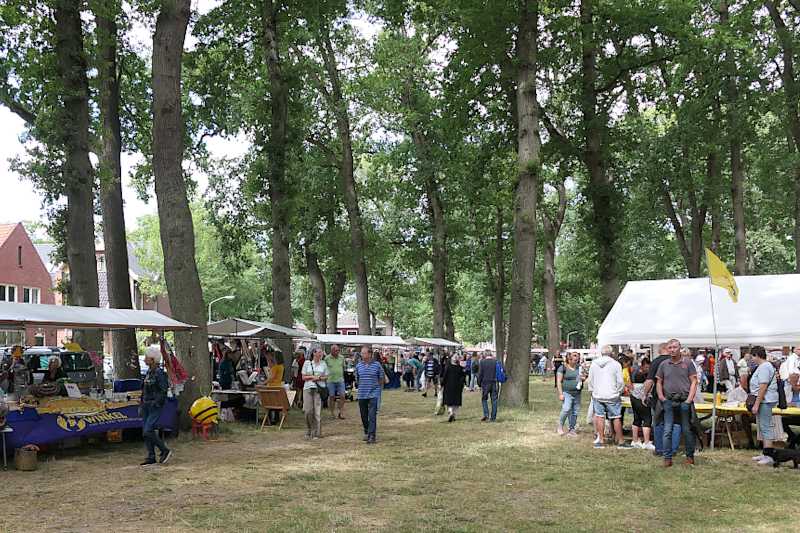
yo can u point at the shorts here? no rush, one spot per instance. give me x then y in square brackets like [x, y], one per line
[642, 417]
[336, 388]
[610, 410]
[432, 379]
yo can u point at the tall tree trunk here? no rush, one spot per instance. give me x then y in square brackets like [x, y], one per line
[737, 160]
[124, 349]
[78, 174]
[438, 257]
[449, 325]
[515, 392]
[276, 161]
[499, 286]
[318, 286]
[600, 191]
[552, 227]
[338, 280]
[175, 218]
[791, 95]
[713, 177]
[346, 171]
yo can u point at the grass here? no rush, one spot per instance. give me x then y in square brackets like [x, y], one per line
[424, 475]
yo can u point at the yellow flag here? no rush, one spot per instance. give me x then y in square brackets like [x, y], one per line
[721, 276]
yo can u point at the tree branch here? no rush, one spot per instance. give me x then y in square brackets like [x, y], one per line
[624, 71]
[14, 106]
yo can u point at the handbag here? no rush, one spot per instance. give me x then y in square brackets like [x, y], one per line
[500, 372]
[781, 394]
[323, 392]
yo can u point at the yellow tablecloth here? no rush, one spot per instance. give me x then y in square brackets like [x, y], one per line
[724, 409]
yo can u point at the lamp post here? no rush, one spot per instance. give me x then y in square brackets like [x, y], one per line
[228, 297]
[568, 335]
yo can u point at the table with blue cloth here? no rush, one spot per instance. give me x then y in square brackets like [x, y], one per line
[58, 419]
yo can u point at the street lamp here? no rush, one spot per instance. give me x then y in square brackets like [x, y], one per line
[568, 334]
[228, 297]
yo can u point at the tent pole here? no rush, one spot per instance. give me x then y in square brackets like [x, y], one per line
[716, 368]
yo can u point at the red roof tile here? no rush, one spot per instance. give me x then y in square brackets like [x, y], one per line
[5, 231]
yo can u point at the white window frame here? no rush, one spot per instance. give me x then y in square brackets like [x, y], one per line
[38, 294]
[16, 292]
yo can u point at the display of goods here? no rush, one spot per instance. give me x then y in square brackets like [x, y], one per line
[204, 411]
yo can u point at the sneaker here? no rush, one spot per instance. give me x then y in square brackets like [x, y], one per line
[165, 457]
[371, 440]
[572, 434]
[597, 440]
[148, 462]
[689, 461]
[624, 446]
[667, 463]
[560, 430]
[484, 419]
[649, 446]
[451, 418]
[598, 445]
[424, 394]
[636, 444]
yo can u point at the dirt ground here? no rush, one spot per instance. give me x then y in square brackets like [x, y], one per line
[424, 474]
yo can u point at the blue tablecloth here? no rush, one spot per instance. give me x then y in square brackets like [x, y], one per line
[30, 427]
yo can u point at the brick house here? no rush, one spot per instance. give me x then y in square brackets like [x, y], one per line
[348, 324]
[24, 278]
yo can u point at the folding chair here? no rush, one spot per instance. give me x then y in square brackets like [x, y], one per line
[273, 398]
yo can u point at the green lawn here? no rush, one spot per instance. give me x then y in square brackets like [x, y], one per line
[424, 474]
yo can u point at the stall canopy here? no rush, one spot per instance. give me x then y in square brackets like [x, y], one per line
[240, 328]
[358, 340]
[20, 316]
[430, 341]
[651, 312]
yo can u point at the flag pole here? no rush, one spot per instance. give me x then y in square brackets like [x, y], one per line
[716, 365]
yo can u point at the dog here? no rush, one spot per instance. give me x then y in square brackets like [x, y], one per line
[780, 455]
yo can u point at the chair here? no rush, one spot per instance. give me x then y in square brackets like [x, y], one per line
[273, 398]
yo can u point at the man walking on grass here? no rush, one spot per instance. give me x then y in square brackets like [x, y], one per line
[605, 382]
[335, 382]
[369, 374]
[487, 381]
[676, 386]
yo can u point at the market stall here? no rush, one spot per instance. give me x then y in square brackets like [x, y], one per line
[433, 342]
[44, 417]
[360, 340]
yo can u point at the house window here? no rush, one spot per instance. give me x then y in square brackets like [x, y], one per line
[8, 293]
[19, 256]
[30, 295]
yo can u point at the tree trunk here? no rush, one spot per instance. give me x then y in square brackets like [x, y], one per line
[318, 285]
[552, 227]
[515, 392]
[338, 280]
[276, 169]
[712, 177]
[78, 174]
[449, 325]
[791, 94]
[737, 161]
[600, 190]
[438, 257]
[124, 349]
[348, 182]
[175, 218]
[499, 286]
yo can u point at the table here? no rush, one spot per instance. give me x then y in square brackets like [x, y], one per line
[215, 394]
[5, 459]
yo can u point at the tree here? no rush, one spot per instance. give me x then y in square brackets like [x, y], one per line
[176, 229]
[520, 317]
[551, 227]
[114, 236]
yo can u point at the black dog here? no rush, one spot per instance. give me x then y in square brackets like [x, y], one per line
[780, 455]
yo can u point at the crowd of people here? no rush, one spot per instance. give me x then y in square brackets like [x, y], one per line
[663, 392]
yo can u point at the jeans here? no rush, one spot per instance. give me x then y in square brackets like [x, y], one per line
[569, 409]
[487, 390]
[150, 415]
[764, 419]
[473, 381]
[369, 415]
[686, 427]
[658, 438]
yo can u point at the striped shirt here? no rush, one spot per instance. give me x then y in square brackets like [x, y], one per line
[370, 379]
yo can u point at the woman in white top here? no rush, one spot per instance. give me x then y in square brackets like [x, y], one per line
[314, 374]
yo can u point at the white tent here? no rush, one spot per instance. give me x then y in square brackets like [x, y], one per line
[651, 312]
[241, 328]
[20, 316]
[431, 341]
[359, 340]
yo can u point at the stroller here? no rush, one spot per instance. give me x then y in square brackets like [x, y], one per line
[349, 382]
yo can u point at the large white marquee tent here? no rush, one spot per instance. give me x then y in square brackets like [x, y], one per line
[650, 312]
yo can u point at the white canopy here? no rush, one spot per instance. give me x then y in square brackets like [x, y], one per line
[432, 341]
[20, 315]
[651, 312]
[358, 340]
[241, 328]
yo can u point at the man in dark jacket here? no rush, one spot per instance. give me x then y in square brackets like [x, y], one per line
[487, 381]
[154, 396]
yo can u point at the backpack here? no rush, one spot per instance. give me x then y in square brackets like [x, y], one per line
[500, 372]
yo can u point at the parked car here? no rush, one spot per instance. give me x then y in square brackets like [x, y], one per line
[108, 367]
[77, 365]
